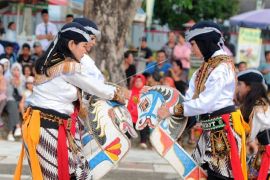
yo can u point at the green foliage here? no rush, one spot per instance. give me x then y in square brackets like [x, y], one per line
[177, 12]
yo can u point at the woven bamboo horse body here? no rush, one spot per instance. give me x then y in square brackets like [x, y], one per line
[105, 142]
[164, 133]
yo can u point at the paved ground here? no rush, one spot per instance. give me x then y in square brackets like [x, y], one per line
[138, 164]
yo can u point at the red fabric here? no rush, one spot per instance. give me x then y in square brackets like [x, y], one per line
[62, 149]
[265, 163]
[235, 159]
[135, 93]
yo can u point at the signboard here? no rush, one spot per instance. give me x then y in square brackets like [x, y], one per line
[249, 47]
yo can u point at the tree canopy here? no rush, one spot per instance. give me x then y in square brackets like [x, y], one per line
[177, 12]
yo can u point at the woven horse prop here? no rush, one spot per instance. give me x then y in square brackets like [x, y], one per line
[105, 142]
[164, 133]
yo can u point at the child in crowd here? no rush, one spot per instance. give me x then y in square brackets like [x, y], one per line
[255, 107]
[3, 96]
[137, 84]
[27, 92]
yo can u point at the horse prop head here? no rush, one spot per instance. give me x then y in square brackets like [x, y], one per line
[149, 104]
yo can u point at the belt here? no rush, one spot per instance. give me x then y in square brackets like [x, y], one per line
[50, 118]
[226, 110]
[264, 137]
[213, 124]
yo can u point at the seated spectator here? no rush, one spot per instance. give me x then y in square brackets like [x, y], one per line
[69, 18]
[168, 81]
[14, 95]
[3, 96]
[38, 51]
[176, 72]
[242, 66]
[25, 58]
[161, 66]
[129, 67]
[152, 79]
[29, 84]
[6, 64]
[9, 53]
[27, 71]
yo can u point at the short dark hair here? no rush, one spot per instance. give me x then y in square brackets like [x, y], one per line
[144, 39]
[161, 51]
[242, 62]
[10, 24]
[178, 63]
[44, 11]
[26, 45]
[266, 53]
[126, 54]
[9, 44]
[69, 16]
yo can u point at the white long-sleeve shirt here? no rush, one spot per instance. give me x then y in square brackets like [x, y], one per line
[91, 68]
[218, 92]
[259, 122]
[59, 93]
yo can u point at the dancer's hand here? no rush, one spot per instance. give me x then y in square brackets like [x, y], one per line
[163, 112]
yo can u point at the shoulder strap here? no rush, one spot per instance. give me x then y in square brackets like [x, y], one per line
[68, 66]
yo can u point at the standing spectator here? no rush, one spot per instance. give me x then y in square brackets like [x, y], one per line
[25, 58]
[161, 65]
[145, 52]
[242, 66]
[38, 51]
[182, 53]
[45, 31]
[3, 96]
[137, 84]
[9, 53]
[69, 18]
[129, 67]
[229, 45]
[265, 68]
[14, 95]
[11, 34]
[169, 46]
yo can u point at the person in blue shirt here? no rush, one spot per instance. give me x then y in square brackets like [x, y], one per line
[264, 68]
[161, 65]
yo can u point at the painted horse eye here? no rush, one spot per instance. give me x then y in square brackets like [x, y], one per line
[144, 105]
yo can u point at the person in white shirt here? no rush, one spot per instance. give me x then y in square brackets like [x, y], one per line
[87, 61]
[255, 107]
[51, 129]
[11, 34]
[45, 31]
[210, 96]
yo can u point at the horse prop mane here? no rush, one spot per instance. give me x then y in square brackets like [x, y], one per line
[164, 133]
[104, 141]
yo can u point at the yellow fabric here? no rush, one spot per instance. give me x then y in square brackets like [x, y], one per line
[241, 127]
[31, 133]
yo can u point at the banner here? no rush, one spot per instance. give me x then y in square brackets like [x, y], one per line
[249, 47]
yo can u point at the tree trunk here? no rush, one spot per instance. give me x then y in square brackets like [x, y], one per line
[114, 18]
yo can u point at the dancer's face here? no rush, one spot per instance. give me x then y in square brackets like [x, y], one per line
[78, 50]
[195, 49]
[242, 91]
[92, 43]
